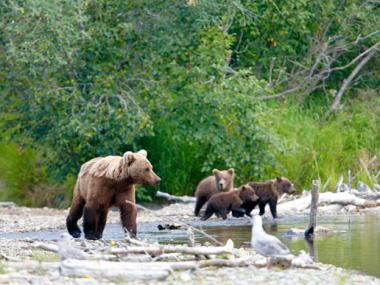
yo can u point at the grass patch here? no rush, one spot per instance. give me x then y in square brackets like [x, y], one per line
[307, 149]
[2, 269]
[42, 256]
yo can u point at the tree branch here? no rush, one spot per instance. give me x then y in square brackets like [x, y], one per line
[347, 81]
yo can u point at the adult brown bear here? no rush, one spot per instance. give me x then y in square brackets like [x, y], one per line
[224, 202]
[268, 193]
[220, 181]
[104, 182]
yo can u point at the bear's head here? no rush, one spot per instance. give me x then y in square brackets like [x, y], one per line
[224, 179]
[140, 170]
[246, 193]
[283, 185]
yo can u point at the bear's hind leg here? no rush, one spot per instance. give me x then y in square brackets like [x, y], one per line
[199, 204]
[249, 206]
[76, 212]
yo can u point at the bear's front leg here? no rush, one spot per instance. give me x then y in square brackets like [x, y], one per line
[262, 208]
[102, 219]
[273, 208]
[208, 213]
[128, 215]
[89, 222]
[238, 209]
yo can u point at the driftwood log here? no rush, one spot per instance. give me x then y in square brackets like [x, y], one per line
[141, 270]
[158, 250]
[175, 199]
[327, 198]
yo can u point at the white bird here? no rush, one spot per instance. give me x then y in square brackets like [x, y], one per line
[67, 251]
[263, 243]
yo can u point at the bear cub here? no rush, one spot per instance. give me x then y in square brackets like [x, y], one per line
[268, 193]
[220, 181]
[222, 203]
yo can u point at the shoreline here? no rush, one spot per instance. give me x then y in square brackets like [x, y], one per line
[22, 219]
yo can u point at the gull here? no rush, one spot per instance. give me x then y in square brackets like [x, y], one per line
[67, 251]
[263, 243]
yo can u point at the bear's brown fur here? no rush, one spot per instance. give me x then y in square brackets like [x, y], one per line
[222, 203]
[104, 182]
[268, 192]
[220, 181]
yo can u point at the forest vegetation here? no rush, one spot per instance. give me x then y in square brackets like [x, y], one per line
[268, 87]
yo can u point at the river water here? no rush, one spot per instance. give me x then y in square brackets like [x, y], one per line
[353, 244]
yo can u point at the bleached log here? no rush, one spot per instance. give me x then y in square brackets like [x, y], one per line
[175, 199]
[142, 270]
[158, 250]
[33, 264]
[342, 198]
[366, 196]
[109, 269]
[7, 205]
[239, 262]
[46, 246]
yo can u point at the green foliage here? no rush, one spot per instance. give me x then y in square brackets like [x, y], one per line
[308, 149]
[24, 178]
[81, 79]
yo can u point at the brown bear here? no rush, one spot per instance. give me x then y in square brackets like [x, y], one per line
[224, 202]
[268, 192]
[220, 181]
[104, 182]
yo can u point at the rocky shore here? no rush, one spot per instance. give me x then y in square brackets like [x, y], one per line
[23, 261]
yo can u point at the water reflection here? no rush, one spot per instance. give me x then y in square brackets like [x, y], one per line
[354, 244]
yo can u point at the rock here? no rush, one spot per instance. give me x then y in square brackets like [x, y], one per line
[333, 208]
[350, 208]
[302, 259]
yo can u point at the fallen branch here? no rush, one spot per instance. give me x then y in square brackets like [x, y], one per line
[141, 270]
[101, 269]
[347, 81]
[161, 249]
[211, 238]
[7, 204]
[47, 247]
[175, 199]
[341, 198]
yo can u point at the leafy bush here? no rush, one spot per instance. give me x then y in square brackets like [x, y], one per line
[24, 178]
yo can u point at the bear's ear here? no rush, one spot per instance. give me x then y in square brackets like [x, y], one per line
[279, 179]
[143, 152]
[129, 157]
[231, 171]
[215, 171]
[244, 188]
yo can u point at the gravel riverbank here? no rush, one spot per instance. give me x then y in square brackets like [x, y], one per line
[21, 262]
